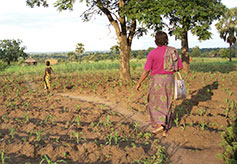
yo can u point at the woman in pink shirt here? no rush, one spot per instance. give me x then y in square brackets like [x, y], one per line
[161, 88]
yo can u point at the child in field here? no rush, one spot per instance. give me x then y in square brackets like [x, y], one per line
[48, 71]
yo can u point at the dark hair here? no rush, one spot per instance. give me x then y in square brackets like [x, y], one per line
[47, 63]
[161, 38]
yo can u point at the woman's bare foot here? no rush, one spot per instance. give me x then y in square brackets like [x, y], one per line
[165, 133]
[158, 129]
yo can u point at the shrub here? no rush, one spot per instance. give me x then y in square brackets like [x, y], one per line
[229, 143]
[3, 65]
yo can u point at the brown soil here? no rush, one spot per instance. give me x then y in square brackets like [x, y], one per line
[78, 121]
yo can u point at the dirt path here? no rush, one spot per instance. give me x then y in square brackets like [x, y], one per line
[135, 116]
[31, 85]
[183, 147]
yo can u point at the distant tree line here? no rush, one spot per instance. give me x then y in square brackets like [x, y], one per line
[13, 51]
[212, 52]
[96, 56]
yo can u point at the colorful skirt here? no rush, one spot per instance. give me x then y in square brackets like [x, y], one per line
[160, 96]
[47, 82]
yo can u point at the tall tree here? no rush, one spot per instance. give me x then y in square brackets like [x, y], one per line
[183, 16]
[114, 11]
[11, 50]
[227, 27]
[79, 50]
[196, 52]
[72, 56]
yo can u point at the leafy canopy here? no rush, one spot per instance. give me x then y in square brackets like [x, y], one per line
[227, 26]
[11, 50]
[183, 15]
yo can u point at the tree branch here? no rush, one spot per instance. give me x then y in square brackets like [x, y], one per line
[122, 18]
[110, 17]
[132, 31]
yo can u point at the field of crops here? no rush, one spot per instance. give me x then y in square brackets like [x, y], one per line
[77, 121]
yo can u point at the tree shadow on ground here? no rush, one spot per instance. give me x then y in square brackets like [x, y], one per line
[185, 108]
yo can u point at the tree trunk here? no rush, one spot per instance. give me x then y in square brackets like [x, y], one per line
[230, 54]
[124, 59]
[121, 29]
[185, 54]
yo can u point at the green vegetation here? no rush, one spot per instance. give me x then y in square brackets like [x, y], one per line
[227, 27]
[45, 158]
[3, 157]
[183, 17]
[11, 50]
[229, 143]
[213, 65]
[198, 65]
[68, 67]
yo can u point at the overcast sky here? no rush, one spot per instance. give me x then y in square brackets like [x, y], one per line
[47, 30]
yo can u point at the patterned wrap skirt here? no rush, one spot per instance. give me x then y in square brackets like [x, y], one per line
[47, 81]
[160, 96]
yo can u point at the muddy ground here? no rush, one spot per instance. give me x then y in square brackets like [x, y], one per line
[94, 118]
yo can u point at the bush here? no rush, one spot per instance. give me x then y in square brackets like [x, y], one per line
[229, 143]
[226, 53]
[3, 65]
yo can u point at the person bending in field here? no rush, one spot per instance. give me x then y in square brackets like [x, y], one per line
[47, 73]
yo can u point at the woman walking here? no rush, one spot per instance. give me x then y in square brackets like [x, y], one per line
[161, 88]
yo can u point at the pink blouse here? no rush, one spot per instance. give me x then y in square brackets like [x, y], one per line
[155, 61]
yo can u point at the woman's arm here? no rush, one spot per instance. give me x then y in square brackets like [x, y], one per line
[44, 75]
[51, 69]
[145, 73]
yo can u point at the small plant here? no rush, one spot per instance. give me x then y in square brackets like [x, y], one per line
[180, 109]
[147, 135]
[136, 125]
[65, 154]
[201, 112]
[230, 93]
[159, 158]
[3, 157]
[27, 117]
[24, 139]
[133, 145]
[139, 135]
[227, 111]
[107, 123]
[110, 137]
[45, 158]
[203, 125]
[64, 109]
[38, 138]
[183, 127]
[115, 137]
[78, 120]
[12, 131]
[176, 120]
[78, 108]
[49, 117]
[92, 124]
[77, 136]
[5, 118]
[229, 143]
[191, 124]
